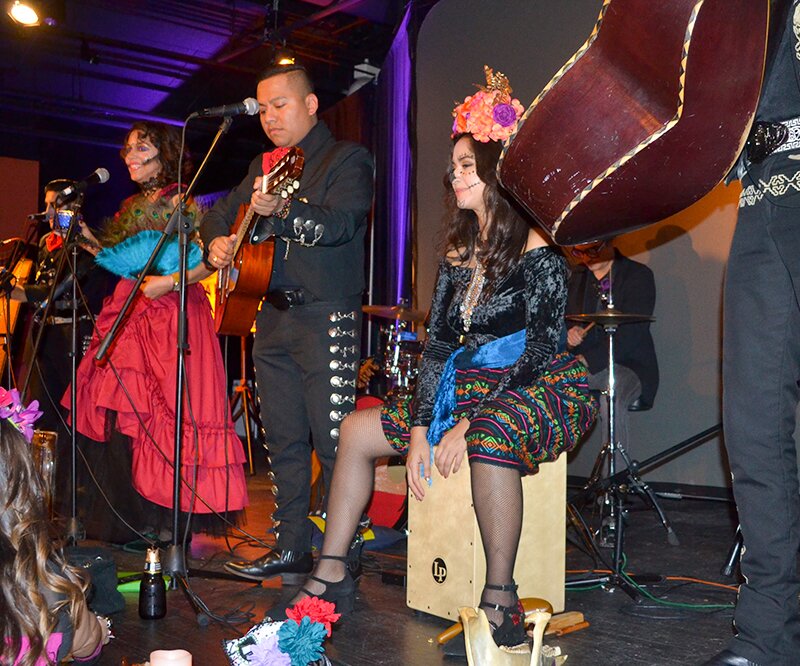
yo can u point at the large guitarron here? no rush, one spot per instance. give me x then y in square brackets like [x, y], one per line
[646, 118]
[242, 284]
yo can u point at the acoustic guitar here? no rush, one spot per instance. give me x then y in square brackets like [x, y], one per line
[242, 284]
[646, 118]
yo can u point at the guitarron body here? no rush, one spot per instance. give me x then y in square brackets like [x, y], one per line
[242, 285]
[645, 119]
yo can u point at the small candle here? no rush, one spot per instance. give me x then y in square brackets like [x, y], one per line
[170, 658]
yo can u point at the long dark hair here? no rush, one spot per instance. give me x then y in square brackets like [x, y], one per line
[167, 139]
[508, 232]
[25, 551]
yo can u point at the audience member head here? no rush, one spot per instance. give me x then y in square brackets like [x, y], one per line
[29, 564]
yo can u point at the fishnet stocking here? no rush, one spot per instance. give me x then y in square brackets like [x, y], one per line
[361, 441]
[497, 498]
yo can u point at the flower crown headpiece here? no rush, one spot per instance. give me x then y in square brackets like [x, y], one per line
[18, 415]
[297, 641]
[491, 114]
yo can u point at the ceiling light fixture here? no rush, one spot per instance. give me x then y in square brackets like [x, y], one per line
[24, 13]
[33, 13]
[284, 56]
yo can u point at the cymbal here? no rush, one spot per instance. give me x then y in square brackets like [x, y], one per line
[394, 312]
[610, 317]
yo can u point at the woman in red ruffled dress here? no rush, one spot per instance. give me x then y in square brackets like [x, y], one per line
[128, 399]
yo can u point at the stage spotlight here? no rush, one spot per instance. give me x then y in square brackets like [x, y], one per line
[24, 13]
[33, 13]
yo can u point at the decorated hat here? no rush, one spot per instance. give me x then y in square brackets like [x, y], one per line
[491, 114]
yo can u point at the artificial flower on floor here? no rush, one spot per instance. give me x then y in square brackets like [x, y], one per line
[297, 641]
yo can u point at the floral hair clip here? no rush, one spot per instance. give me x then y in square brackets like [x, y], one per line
[491, 114]
[20, 416]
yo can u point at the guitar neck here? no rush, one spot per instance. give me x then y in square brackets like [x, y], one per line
[244, 227]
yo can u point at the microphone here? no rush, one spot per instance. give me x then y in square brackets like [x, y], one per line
[38, 216]
[98, 176]
[248, 107]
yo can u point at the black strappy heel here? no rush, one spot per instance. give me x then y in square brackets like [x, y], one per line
[511, 631]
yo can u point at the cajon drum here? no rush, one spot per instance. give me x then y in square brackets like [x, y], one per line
[446, 566]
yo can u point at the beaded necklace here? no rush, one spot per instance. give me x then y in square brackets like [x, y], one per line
[471, 296]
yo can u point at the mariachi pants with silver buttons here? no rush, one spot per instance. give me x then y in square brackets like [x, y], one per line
[761, 369]
[306, 360]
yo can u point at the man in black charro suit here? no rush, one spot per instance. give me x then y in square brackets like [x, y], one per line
[761, 362]
[311, 315]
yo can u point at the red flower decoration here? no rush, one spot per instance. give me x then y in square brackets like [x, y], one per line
[316, 610]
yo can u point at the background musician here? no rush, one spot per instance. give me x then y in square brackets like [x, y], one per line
[52, 366]
[598, 269]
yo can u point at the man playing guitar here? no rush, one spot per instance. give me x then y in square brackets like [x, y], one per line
[311, 314]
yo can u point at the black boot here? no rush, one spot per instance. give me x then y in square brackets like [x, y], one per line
[341, 593]
[293, 566]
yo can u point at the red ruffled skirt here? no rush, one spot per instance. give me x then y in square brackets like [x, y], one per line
[141, 402]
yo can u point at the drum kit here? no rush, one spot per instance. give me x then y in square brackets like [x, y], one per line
[399, 349]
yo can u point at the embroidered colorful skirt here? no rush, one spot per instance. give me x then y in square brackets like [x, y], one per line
[520, 427]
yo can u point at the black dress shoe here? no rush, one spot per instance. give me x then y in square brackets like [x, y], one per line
[728, 658]
[640, 405]
[293, 566]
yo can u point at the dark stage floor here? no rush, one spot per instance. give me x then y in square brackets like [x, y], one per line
[383, 631]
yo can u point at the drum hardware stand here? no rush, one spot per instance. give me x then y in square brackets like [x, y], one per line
[623, 478]
[243, 405]
[733, 554]
[612, 529]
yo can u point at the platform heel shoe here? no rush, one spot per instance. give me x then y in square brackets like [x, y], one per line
[512, 630]
[341, 593]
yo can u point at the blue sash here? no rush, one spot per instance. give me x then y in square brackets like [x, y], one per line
[498, 353]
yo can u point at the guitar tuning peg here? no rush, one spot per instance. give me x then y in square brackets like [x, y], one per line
[296, 184]
[284, 194]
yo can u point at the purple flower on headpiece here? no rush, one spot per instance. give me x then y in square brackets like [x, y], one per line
[267, 653]
[504, 115]
[20, 416]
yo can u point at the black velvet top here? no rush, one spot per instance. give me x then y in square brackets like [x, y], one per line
[532, 296]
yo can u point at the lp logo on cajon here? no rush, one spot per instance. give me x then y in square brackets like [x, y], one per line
[439, 570]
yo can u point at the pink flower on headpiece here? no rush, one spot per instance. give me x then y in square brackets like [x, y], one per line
[20, 416]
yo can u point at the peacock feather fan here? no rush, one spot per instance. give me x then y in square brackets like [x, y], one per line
[128, 258]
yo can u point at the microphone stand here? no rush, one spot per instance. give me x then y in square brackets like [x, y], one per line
[174, 563]
[74, 531]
